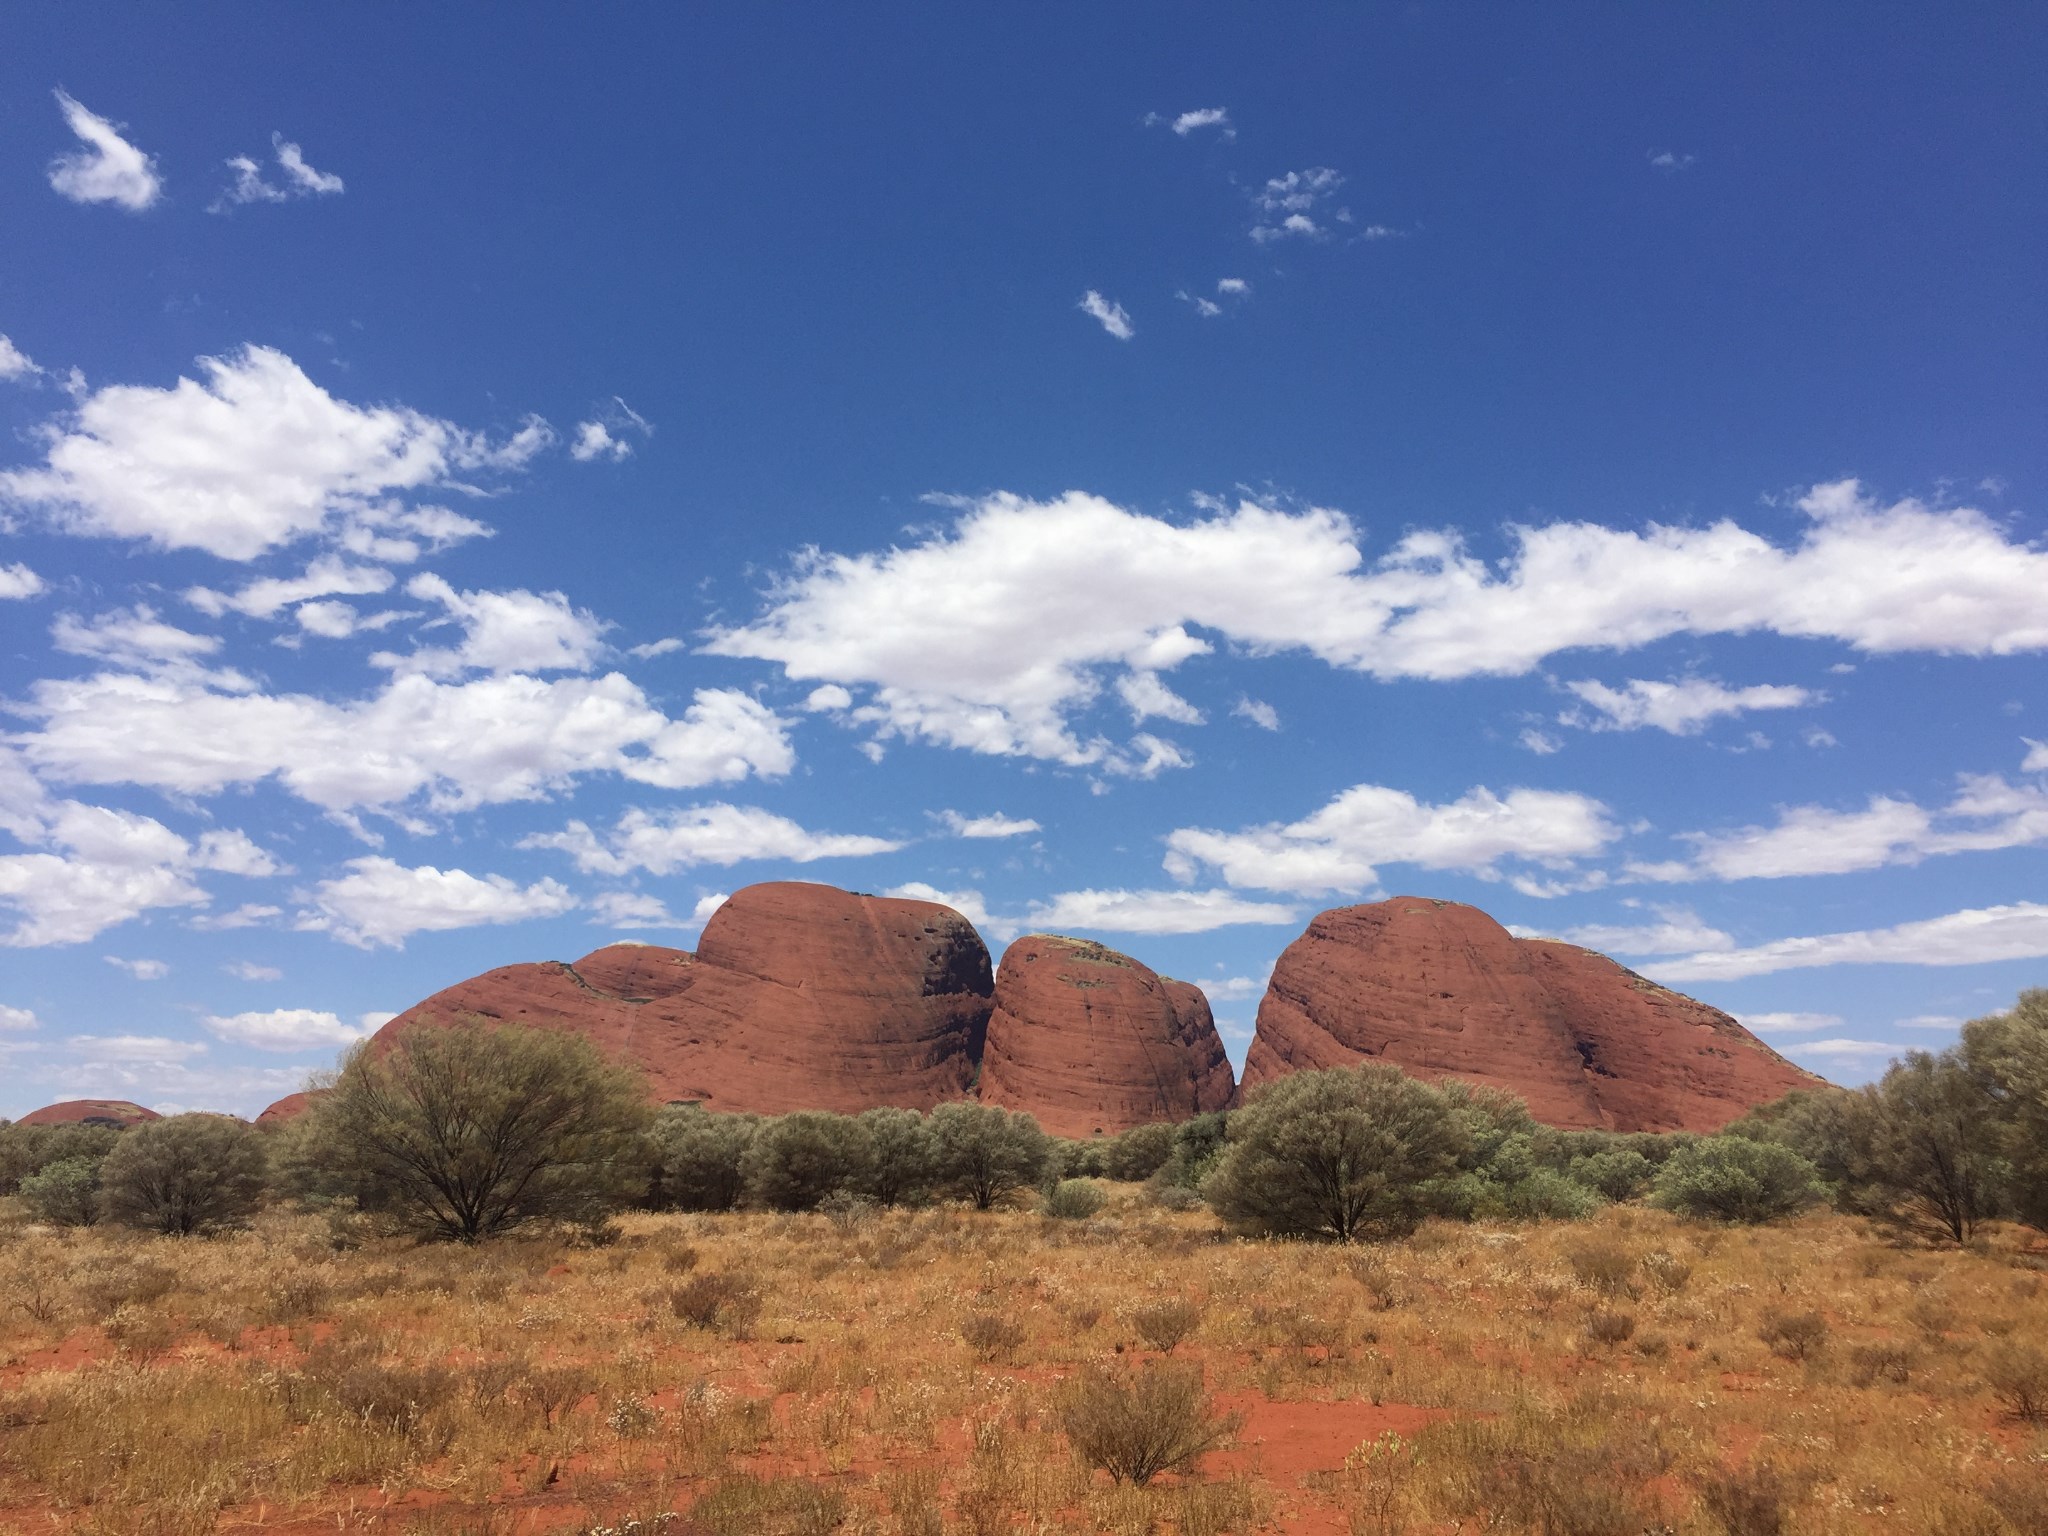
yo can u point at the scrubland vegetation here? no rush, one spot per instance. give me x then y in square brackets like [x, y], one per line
[482, 1288]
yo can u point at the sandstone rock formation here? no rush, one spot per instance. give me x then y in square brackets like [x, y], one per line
[799, 996]
[1092, 1042]
[1442, 990]
[114, 1112]
[288, 1108]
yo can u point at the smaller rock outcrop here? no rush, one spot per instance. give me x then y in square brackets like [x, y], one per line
[118, 1113]
[288, 1108]
[1092, 1042]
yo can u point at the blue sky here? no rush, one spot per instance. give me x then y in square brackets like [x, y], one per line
[476, 486]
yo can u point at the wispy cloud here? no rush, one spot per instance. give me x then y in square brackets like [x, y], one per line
[1669, 160]
[1114, 318]
[1192, 121]
[108, 169]
[299, 179]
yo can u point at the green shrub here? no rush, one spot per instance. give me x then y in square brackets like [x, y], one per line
[795, 1162]
[190, 1174]
[1140, 1152]
[1617, 1174]
[1074, 1199]
[903, 1148]
[65, 1193]
[982, 1153]
[1345, 1154]
[1731, 1178]
[697, 1158]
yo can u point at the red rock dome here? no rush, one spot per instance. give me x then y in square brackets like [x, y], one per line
[1442, 990]
[114, 1112]
[1092, 1042]
[288, 1108]
[799, 996]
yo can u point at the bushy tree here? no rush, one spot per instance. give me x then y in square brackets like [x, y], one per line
[982, 1153]
[904, 1148]
[65, 1193]
[2007, 1055]
[1733, 1178]
[1140, 1152]
[28, 1149]
[1939, 1149]
[1619, 1173]
[468, 1130]
[1348, 1153]
[697, 1156]
[1836, 1130]
[184, 1176]
[796, 1162]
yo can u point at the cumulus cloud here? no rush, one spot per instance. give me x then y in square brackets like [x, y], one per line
[107, 168]
[515, 631]
[1200, 117]
[382, 902]
[2037, 756]
[18, 581]
[299, 179]
[599, 437]
[660, 842]
[1338, 850]
[634, 909]
[15, 363]
[451, 746]
[1145, 696]
[18, 1018]
[252, 456]
[293, 1029]
[141, 970]
[1676, 931]
[1261, 714]
[991, 634]
[96, 868]
[996, 824]
[2018, 931]
[1112, 317]
[968, 904]
[1287, 204]
[1682, 708]
[1123, 911]
[264, 598]
[137, 638]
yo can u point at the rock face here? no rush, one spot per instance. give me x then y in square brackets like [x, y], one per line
[799, 997]
[114, 1112]
[286, 1109]
[1442, 990]
[1091, 1042]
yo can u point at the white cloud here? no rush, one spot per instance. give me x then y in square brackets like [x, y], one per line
[1261, 714]
[382, 902]
[326, 576]
[300, 179]
[1233, 285]
[1677, 931]
[633, 909]
[249, 970]
[827, 697]
[1145, 696]
[1931, 1021]
[250, 914]
[1669, 160]
[515, 631]
[593, 441]
[1973, 936]
[1113, 317]
[1682, 708]
[18, 581]
[254, 457]
[138, 639]
[1542, 743]
[1234, 989]
[706, 905]
[292, 1029]
[2037, 756]
[1203, 117]
[154, 1050]
[991, 634]
[1208, 309]
[1338, 849]
[15, 363]
[1285, 204]
[1146, 912]
[141, 970]
[108, 169]
[968, 904]
[995, 824]
[660, 842]
[18, 1018]
[1790, 1023]
[453, 745]
[1842, 1050]
[653, 648]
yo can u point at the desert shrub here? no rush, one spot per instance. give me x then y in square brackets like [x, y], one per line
[1140, 1152]
[1608, 1327]
[795, 1161]
[467, 1131]
[107, 1288]
[2018, 1378]
[1938, 1152]
[1621, 1173]
[1377, 1276]
[1070, 1159]
[724, 1300]
[903, 1149]
[1668, 1272]
[1756, 1501]
[1732, 1178]
[1135, 1425]
[1547, 1195]
[1164, 1324]
[1197, 1143]
[1603, 1267]
[2019, 1496]
[982, 1153]
[991, 1335]
[2007, 1056]
[1794, 1335]
[1074, 1199]
[775, 1506]
[1871, 1363]
[552, 1391]
[190, 1174]
[1345, 1154]
[65, 1193]
[29, 1149]
[697, 1158]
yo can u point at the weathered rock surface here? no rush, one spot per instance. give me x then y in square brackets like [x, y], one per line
[1092, 1042]
[1442, 990]
[287, 1109]
[116, 1112]
[799, 996]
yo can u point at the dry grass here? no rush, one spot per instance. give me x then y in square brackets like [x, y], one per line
[906, 1374]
